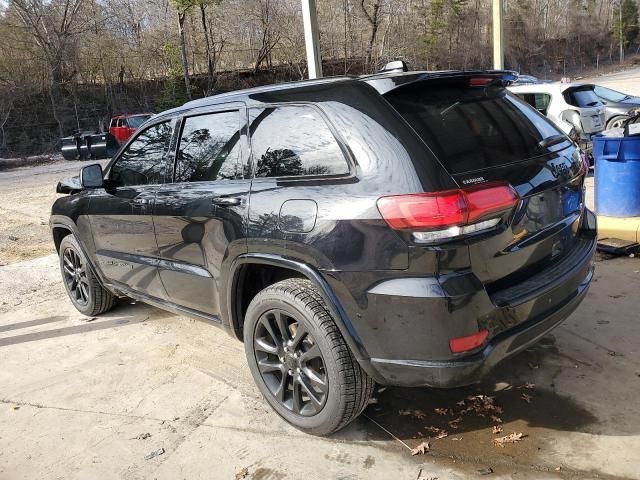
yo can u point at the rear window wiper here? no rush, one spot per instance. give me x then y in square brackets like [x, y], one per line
[552, 140]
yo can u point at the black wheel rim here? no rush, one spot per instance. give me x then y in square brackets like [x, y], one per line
[290, 363]
[75, 276]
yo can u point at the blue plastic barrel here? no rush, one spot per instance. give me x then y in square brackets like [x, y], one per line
[617, 176]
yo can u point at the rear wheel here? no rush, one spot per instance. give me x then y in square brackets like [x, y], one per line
[300, 361]
[87, 295]
[616, 122]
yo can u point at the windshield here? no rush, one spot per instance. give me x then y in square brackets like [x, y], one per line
[582, 98]
[610, 95]
[135, 122]
[470, 128]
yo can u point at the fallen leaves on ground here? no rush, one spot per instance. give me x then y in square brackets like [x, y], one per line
[419, 414]
[455, 423]
[439, 432]
[512, 438]
[441, 411]
[496, 419]
[527, 385]
[421, 449]
[526, 398]
[485, 471]
[496, 429]
[533, 366]
[242, 473]
[481, 405]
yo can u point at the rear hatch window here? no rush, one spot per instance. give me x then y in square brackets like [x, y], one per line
[581, 97]
[472, 128]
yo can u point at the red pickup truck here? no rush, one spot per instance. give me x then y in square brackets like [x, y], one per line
[123, 126]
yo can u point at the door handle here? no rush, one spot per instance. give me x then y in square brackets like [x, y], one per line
[140, 201]
[225, 201]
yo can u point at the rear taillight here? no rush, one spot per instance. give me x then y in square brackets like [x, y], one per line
[424, 211]
[449, 213]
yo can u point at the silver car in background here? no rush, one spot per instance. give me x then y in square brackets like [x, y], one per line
[619, 106]
[573, 107]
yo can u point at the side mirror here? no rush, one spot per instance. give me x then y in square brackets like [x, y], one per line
[91, 176]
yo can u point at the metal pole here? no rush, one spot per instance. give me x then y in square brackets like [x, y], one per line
[311, 39]
[498, 45]
[620, 32]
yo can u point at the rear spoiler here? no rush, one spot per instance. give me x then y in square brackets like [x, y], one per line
[385, 83]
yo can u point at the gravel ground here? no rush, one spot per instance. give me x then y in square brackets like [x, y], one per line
[26, 196]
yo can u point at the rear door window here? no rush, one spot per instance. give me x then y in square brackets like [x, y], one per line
[293, 141]
[471, 128]
[209, 148]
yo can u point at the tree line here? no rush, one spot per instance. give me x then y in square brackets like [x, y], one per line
[70, 64]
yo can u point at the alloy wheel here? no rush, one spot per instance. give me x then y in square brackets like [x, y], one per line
[290, 363]
[618, 123]
[75, 276]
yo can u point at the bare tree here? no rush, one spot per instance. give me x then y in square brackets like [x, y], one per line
[53, 27]
[374, 20]
[182, 9]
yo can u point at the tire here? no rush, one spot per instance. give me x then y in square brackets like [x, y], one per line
[84, 290]
[615, 122]
[319, 355]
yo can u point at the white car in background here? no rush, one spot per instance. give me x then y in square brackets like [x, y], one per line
[573, 107]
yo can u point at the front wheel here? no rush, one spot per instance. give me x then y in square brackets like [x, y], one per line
[300, 361]
[85, 292]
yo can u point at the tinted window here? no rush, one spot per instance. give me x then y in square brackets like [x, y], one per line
[472, 128]
[135, 122]
[209, 148]
[143, 161]
[293, 141]
[582, 98]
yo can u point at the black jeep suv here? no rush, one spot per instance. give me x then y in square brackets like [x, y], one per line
[408, 228]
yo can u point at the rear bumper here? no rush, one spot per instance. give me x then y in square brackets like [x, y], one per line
[410, 320]
[471, 369]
